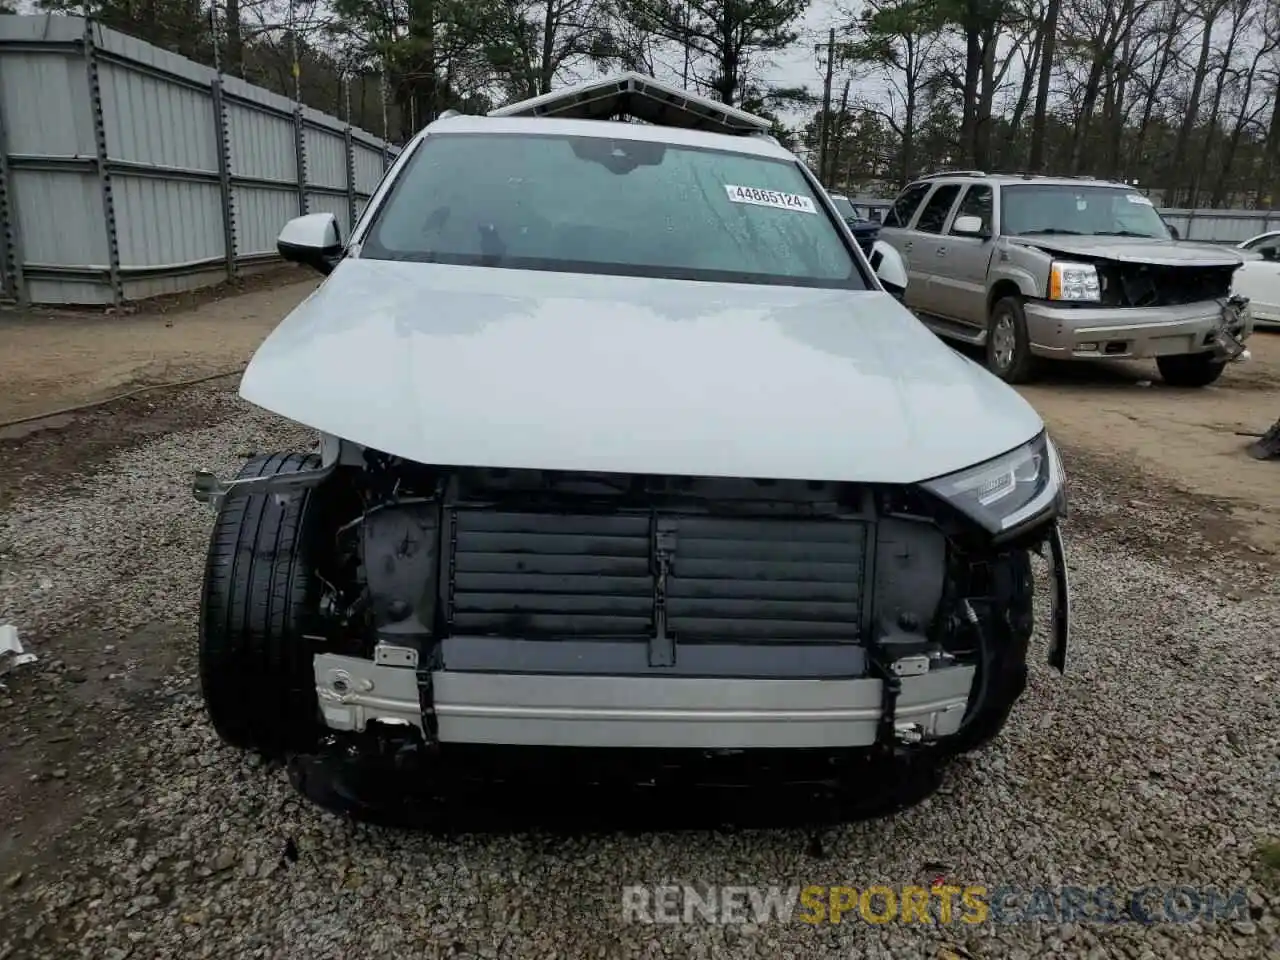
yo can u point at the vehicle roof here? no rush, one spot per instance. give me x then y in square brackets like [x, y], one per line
[1015, 178]
[555, 126]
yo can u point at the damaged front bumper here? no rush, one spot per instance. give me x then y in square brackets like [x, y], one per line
[711, 713]
[1140, 333]
[498, 695]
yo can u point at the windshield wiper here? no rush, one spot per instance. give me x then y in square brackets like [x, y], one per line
[1024, 233]
[1126, 233]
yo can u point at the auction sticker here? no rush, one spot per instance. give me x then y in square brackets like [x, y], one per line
[770, 198]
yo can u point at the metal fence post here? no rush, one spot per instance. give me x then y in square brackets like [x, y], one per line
[11, 259]
[351, 178]
[104, 175]
[300, 151]
[222, 136]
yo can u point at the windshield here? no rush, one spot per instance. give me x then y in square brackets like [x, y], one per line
[598, 205]
[844, 207]
[1095, 211]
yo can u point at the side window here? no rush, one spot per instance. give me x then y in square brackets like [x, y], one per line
[899, 214]
[934, 214]
[976, 202]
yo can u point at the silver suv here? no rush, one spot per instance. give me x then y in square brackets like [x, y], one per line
[1064, 268]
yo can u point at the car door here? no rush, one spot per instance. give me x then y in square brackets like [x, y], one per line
[958, 286]
[894, 230]
[1259, 280]
[925, 238]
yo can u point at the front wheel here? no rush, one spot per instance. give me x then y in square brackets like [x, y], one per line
[259, 585]
[1190, 369]
[1009, 354]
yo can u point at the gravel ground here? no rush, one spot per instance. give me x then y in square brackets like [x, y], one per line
[133, 833]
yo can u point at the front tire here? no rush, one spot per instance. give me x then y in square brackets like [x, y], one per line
[1009, 354]
[1190, 369]
[259, 585]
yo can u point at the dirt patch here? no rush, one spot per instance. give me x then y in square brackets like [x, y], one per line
[57, 359]
[1177, 442]
[48, 454]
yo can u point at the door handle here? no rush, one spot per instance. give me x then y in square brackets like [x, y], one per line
[907, 245]
[941, 251]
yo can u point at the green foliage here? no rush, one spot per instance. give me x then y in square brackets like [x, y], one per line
[884, 28]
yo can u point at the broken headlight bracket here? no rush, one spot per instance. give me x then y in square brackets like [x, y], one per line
[1228, 336]
[209, 488]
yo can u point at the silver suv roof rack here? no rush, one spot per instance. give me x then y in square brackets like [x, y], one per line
[952, 173]
[643, 98]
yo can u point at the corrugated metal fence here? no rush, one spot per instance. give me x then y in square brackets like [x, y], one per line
[128, 172]
[1222, 226]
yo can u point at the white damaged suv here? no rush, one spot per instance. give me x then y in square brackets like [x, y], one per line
[623, 448]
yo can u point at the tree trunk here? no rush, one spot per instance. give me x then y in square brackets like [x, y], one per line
[1212, 126]
[1048, 46]
[986, 97]
[1193, 102]
[972, 78]
[1219, 196]
[1024, 99]
[1157, 81]
[1265, 196]
[234, 60]
[547, 68]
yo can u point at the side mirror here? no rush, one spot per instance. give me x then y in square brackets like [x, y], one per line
[889, 268]
[313, 240]
[969, 227]
[1173, 231]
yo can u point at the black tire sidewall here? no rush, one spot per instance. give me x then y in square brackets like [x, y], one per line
[1022, 365]
[1190, 370]
[256, 681]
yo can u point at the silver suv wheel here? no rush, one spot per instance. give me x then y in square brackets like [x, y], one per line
[1004, 340]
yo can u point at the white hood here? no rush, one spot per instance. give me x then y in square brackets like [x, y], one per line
[471, 366]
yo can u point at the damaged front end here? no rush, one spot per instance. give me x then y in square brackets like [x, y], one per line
[467, 607]
[1187, 301]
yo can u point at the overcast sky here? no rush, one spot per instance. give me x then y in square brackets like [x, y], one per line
[796, 67]
[799, 66]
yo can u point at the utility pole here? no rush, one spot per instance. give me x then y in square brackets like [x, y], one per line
[826, 107]
[835, 138]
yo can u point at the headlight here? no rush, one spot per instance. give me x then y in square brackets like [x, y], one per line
[1074, 281]
[1009, 490]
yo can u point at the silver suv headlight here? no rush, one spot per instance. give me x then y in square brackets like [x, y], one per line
[1074, 281]
[1008, 491]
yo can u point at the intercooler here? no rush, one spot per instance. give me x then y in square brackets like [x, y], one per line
[680, 578]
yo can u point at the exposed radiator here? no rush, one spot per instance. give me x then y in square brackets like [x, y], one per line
[543, 575]
[766, 580]
[538, 575]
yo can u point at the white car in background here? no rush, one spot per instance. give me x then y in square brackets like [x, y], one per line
[1259, 278]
